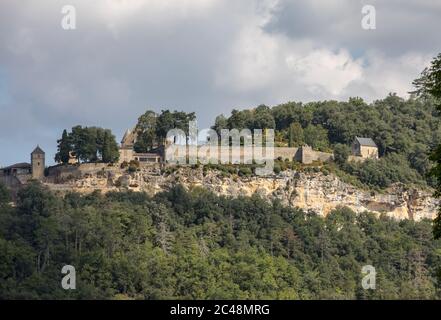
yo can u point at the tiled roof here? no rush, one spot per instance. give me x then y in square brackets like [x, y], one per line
[21, 165]
[37, 150]
[366, 142]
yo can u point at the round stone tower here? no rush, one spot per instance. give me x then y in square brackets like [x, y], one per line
[37, 162]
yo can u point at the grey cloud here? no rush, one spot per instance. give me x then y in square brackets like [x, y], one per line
[402, 25]
[115, 66]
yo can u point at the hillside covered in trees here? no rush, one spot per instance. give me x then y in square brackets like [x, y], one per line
[405, 131]
[181, 244]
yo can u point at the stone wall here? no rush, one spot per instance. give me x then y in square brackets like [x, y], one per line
[285, 153]
[306, 155]
[13, 182]
[203, 154]
[125, 155]
[63, 172]
[369, 152]
[218, 154]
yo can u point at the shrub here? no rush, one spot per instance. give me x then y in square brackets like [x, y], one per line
[341, 153]
[245, 171]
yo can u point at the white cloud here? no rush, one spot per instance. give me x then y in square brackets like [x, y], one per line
[385, 74]
[206, 56]
[324, 71]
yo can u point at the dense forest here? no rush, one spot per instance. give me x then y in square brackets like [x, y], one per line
[405, 130]
[194, 244]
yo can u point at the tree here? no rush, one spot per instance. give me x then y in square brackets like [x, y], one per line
[64, 148]
[341, 153]
[110, 151]
[5, 195]
[220, 123]
[316, 137]
[237, 120]
[89, 144]
[430, 80]
[430, 83]
[84, 143]
[263, 119]
[296, 136]
[146, 132]
[173, 120]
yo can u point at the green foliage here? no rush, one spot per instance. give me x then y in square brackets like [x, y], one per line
[133, 165]
[430, 80]
[245, 171]
[430, 84]
[5, 195]
[381, 173]
[89, 144]
[146, 132]
[108, 148]
[64, 148]
[168, 120]
[317, 137]
[407, 128]
[296, 136]
[341, 153]
[152, 129]
[194, 245]
[258, 118]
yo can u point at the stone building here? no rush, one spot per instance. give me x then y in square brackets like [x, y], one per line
[365, 148]
[37, 163]
[18, 174]
[127, 154]
[362, 149]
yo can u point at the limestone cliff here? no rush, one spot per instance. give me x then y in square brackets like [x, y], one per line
[313, 191]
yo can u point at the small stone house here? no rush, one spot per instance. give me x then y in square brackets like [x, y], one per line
[365, 148]
[19, 174]
[127, 154]
[17, 169]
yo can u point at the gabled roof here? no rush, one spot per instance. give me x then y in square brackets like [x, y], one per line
[37, 150]
[21, 165]
[129, 136]
[125, 135]
[368, 142]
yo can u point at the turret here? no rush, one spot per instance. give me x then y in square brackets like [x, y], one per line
[38, 163]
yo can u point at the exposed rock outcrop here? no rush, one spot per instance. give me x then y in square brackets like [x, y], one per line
[310, 191]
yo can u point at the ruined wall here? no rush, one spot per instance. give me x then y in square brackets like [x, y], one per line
[203, 153]
[285, 153]
[12, 181]
[230, 154]
[61, 173]
[307, 155]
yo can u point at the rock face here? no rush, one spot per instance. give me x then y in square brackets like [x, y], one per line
[310, 191]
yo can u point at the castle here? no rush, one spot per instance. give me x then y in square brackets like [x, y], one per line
[362, 149]
[21, 173]
[127, 154]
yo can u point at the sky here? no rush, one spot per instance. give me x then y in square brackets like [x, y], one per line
[203, 56]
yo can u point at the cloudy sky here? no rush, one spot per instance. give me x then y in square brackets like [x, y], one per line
[207, 56]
